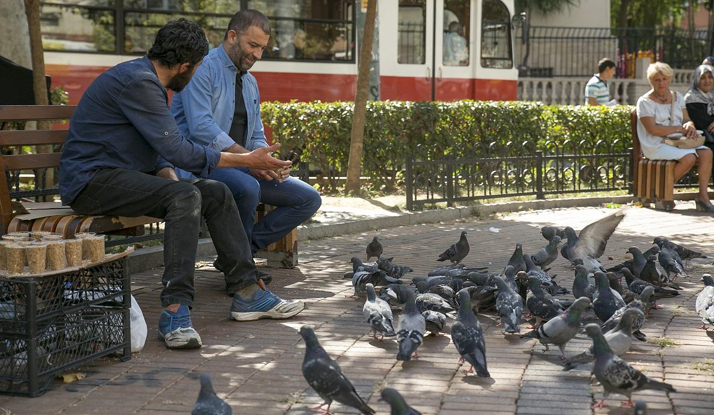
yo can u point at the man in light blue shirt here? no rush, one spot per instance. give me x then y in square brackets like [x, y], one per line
[597, 90]
[220, 109]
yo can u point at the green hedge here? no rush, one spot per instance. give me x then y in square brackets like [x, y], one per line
[395, 130]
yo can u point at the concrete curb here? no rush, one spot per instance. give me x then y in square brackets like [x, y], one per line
[148, 258]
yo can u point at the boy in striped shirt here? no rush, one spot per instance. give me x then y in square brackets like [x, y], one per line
[596, 90]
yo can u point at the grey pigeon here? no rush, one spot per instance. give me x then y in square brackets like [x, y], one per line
[549, 232]
[509, 306]
[581, 285]
[444, 291]
[430, 301]
[208, 403]
[640, 408]
[457, 251]
[685, 254]
[516, 260]
[326, 378]
[365, 273]
[435, 321]
[378, 314]
[395, 294]
[467, 335]
[374, 248]
[482, 298]
[561, 329]
[705, 302]
[619, 340]
[637, 323]
[423, 284]
[606, 302]
[651, 273]
[616, 285]
[638, 260]
[637, 285]
[614, 374]
[397, 403]
[546, 281]
[668, 260]
[541, 304]
[567, 249]
[456, 268]
[592, 240]
[410, 334]
[392, 269]
[545, 256]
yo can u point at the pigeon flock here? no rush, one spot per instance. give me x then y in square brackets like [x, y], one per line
[614, 301]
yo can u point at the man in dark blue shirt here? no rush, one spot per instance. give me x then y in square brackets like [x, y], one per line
[118, 160]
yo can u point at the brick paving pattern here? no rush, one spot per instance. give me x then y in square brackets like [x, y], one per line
[255, 366]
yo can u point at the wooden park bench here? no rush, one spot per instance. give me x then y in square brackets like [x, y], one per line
[653, 180]
[52, 216]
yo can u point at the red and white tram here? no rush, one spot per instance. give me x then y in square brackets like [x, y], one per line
[427, 50]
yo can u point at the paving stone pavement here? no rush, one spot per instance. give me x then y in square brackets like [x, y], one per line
[255, 366]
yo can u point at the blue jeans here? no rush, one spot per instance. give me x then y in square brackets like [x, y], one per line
[295, 202]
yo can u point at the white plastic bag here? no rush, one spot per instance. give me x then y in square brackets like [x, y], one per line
[138, 327]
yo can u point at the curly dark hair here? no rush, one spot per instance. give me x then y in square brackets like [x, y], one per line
[244, 19]
[179, 41]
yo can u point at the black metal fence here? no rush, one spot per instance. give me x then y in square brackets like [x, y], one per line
[572, 51]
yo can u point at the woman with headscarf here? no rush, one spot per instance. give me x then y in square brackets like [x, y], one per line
[700, 101]
[661, 112]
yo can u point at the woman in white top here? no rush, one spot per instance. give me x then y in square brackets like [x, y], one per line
[661, 112]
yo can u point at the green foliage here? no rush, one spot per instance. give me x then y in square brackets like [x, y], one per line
[397, 130]
[544, 7]
[648, 13]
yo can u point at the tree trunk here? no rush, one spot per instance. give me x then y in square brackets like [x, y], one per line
[360, 109]
[622, 16]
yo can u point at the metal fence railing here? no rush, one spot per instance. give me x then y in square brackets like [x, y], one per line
[573, 51]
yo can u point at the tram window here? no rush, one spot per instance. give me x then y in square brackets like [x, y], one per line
[74, 29]
[140, 28]
[457, 15]
[496, 49]
[412, 32]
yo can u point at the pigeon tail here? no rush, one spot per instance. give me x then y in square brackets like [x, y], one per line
[479, 366]
[656, 385]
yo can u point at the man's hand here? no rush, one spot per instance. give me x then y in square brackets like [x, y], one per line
[264, 174]
[258, 159]
[167, 173]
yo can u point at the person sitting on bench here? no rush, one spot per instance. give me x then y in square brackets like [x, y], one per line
[220, 108]
[661, 112]
[118, 159]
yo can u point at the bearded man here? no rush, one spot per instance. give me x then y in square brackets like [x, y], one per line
[220, 109]
[118, 159]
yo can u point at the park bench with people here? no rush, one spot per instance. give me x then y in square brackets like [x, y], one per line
[52, 216]
[653, 180]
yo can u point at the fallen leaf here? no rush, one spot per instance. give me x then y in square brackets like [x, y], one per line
[71, 377]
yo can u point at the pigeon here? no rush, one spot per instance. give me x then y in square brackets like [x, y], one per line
[619, 339]
[457, 251]
[326, 378]
[390, 268]
[423, 284]
[397, 403]
[638, 260]
[208, 403]
[444, 291]
[592, 240]
[430, 301]
[457, 269]
[705, 302]
[669, 262]
[482, 298]
[395, 293]
[640, 408]
[581, 285]
[637, 285]
[378, 314]
[541, 304]
[561, 329]
[412, 326]
[509, 306]
[516, 260]
[684, 253]
[650, 273]
[545, 256]
[374, 249]
[467, 335]
[364, 274]
[606, 301]
[566, 251]
[623, 292]
[637, 323]
[546, 280]
[435, 321]
[614, 374]
[549, 232]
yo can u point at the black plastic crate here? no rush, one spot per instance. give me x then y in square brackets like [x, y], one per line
[53, 323]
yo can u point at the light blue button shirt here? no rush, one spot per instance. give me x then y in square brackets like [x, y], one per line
[204, 109]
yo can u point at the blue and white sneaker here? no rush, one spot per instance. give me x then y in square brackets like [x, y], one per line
[264, 304]
[176, 330]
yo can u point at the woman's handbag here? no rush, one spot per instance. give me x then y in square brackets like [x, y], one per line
[680, 140]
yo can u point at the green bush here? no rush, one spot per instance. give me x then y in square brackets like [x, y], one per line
[397, 130]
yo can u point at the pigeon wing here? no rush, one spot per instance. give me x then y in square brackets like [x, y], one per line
[593, 238]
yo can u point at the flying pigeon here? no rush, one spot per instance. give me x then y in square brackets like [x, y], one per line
[509, 306]
[208, 403]
[592, 240]
[326, 378]
[545, 256]
[705, 302]
[606, 301]
[378, 314]
[412, 326]
[467, 335]
[619, 339]
[397, 403]
[616, 375]
[374, 248]
[457, 251]
[435, 321]
[561, 329]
